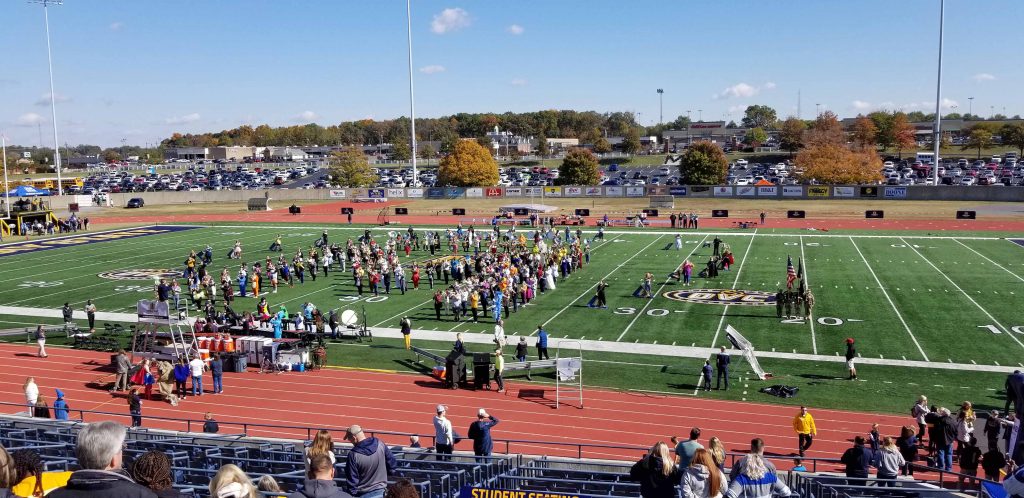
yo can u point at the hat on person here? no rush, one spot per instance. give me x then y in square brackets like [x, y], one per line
[849, 340]
[481, 413]
[441, 408]
[60, 394]
[353, 430]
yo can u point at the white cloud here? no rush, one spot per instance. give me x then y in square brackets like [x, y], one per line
[431, 69]
[518, 82]
[29, 119]
[450, 20]
[949, 103]
[769, 85]
[305, 117]
[923, 106]
[116, 26]
[44, 99]
[739, 90]
[983, 77]
[737, 108]
[515, 29]
[860, 105]
[188, 118]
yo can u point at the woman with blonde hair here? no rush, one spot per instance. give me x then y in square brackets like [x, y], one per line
[8, 474]
[717, 450]
[919, 411]
[656, 472]
[703, 479]
[964, 424]
[888, 461]
[231, 482]
[322, 445]
[31, 395]
[757, 479]
[267, 484]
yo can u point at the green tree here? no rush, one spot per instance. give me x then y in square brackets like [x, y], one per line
[111, 156]
[885, 136]
[400, 151]
[759, 116]
[579, 167]
[631, 142]
[703, 163]
[601, 146]
[680, 123]
[469, 165]
[426, 151]
[979, 137]
[349, 168]
[755, 137]
[448, 143]
[1013, 135]
[791, 134]
[543, 149]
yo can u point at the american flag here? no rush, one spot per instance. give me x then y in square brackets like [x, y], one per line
[790, 272]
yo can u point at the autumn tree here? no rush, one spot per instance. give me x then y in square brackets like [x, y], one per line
[349, 168]
[579, 167]
[469, 165]
[601, 146]
[755, 137]
[759, 116]
[903, 134]
[979, 137]
[543, 149]
[1013, 135]
[631, 142]
[703, 163]
[791, 134]
[884, 136]
[833, 163]
[863, 133]
[825, 130]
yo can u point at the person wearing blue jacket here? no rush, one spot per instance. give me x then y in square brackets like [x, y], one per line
[480, 433]
[368, 464]
[542, 343]
[181, 374]
[60, 407]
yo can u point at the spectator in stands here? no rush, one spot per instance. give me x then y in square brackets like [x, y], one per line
[267, 484]
[402, 488]
[656, 472]
[756, 477]
[918, 411]
[322, 444]
[41, 410]
[888, 461]
[803, 424]
[756, 450]
[153, 470]
[231, 482]
[1014, 483]
[874, 438]
[965, 419]
[686, 449]
[993, 461]
[907, 443]
[946, 431]
[60, 407]
[123, 366]
[7, 474]
[970, 457]
[369, 463]
[798, 466]
[858, 459]
[480, 433]
[29, 475]
[717, 450]
[31, 395]
[702, 478]
[135, 407]
[210, 426]
[99, 450]
[992, 427]
[320, 481]
[414, 441]
[444, 436]
[217, 371]
[196, 368]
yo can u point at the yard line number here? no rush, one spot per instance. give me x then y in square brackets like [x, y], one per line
[371, 299]
[1017, 329]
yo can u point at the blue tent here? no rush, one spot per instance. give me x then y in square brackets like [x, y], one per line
[27, 191]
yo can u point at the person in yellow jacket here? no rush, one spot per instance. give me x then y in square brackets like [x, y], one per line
[803, 424]
[31, 480]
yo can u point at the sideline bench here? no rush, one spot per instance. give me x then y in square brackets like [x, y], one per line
[744, 224]
[420, 353]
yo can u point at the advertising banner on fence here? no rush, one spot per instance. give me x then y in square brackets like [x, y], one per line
[572, 191]
[792, 191]
[396, 192]
[723, 191]
[492, 192]
[337, 193]
[414, 192]
[475, 492]
[677, 191]
[869, 191]
[435, 193]
[474, 192]
[376, 193]
[895, 193]
[613, 191]
[842, 192]
[592, 191]
[817, 191]
[553, 191]
[635, 191]
[513, 191]
[699, 191]
[767, 191]
[657, 190]
[454, 192]
[357, 193]
[746, 190]
[533, 191]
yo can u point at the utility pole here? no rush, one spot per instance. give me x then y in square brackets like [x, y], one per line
[970, 106]
[412, 100]
[938, 99]
[53, 102]
[661, 106]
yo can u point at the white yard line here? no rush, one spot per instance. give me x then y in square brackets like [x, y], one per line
[649, 301]
[891, 303]
[587, 292]
[971, 299]
[1018, 277]
[807, 284]
[721, 321]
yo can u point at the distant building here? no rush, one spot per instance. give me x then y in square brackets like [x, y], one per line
[82, 161]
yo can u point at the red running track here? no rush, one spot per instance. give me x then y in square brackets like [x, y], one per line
[405, 403]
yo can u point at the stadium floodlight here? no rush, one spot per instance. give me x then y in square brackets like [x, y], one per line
[661, 105]
[7, 201]
[53, 100]
[412, 101]
[938, 100]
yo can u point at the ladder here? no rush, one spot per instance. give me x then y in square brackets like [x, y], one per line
[569, 374]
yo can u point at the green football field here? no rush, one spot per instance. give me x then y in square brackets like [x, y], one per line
[952, 300]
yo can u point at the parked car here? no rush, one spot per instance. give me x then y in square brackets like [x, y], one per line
[135, 202]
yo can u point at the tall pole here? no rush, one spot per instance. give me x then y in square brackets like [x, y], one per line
[661, 106]
[7, 198]
[53, 97]
[970, 106]
[412, 101]
[938, 99]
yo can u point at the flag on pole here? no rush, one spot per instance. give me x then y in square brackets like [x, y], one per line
[790, 272]
[800, 268]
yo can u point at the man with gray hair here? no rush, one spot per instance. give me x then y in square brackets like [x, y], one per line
[99, 448]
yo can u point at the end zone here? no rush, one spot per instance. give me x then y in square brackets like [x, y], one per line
[75, 240]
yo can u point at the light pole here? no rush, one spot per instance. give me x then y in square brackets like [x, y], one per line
[700, 115]
[7, 198]
[412, 102]
[991, 111]
[817, 110]
[938, 99]
[970, 106]
[661, 106]
[53, 106]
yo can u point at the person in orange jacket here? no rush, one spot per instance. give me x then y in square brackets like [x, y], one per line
[803, 424]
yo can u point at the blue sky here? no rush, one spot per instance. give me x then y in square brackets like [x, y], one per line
[141, 70]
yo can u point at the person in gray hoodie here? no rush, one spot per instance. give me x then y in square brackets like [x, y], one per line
[702, 479]
[319, 482]
[368, 465]
[888, 461]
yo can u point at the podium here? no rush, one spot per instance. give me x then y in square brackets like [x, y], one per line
[481, 370]
[454, 370]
